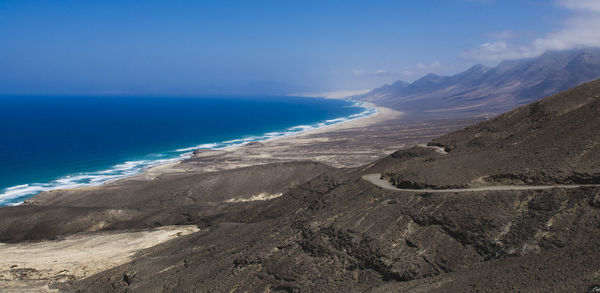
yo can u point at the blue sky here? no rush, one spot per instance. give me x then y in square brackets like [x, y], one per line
[196, 47]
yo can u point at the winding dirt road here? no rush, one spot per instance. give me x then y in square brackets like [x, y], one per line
[440, 150]
[376, 180]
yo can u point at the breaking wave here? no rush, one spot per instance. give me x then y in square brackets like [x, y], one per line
[15, 195]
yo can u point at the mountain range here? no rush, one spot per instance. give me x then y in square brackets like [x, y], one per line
[481, 89]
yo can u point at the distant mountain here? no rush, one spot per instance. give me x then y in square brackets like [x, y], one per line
[483, 89]
[394, 87]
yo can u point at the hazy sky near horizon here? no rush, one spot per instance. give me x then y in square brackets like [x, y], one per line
[196, 47]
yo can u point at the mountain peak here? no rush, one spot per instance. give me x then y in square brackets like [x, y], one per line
[481, 89]
[428, 80]
[430, 76]
[478, 67]
[471, 74]
[400, 83]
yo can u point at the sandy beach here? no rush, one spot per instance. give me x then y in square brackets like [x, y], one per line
[279, 149]
[343, 145]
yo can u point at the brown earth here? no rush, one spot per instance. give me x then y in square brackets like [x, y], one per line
[332, 231]
[553, 141]
[339, 233]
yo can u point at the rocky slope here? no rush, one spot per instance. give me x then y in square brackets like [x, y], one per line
[337, 234]
[553, 141]
[332, 231]
[482, 90]
[166, 200]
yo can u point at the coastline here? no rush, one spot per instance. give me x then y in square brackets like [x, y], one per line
[380, 114]
[197, 183]
[135, 170]
[179, 166]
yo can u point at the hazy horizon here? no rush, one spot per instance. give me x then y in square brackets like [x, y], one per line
[270, 47]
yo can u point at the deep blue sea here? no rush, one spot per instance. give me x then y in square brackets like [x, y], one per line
[53, 142]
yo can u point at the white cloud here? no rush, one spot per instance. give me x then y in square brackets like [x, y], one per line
[578, 32]
[581, 29]
[501, 50]
[378, 72]
[433, 65]
[407, 73]
[593, 5]
[358, 72]
[410, 73]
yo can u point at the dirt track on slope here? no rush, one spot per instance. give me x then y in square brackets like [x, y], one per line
[376, 180]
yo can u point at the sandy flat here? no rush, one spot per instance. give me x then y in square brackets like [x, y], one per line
[349, 144]
[32, 266]
[383, 114]
[300, 146]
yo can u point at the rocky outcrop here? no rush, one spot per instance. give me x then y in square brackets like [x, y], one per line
[339, 234]
[552, 141]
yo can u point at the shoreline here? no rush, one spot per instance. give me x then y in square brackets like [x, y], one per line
[169, 165]
[365, 105]
[381, 114]
[325, 128]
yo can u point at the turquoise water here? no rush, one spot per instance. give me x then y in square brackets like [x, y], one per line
[53, 142]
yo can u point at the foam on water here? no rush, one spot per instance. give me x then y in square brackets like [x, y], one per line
[15, 195]
[290, 131]
[200, 146]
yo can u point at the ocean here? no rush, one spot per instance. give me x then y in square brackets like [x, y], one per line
[57, 142]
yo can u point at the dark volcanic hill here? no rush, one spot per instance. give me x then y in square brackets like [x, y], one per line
[332, 231]
[552, 141]
[491, 90]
